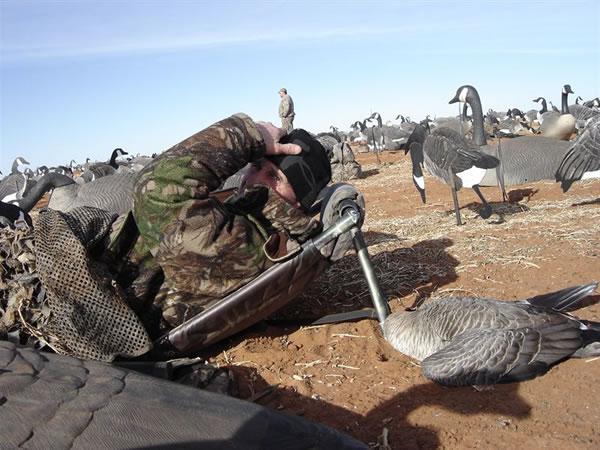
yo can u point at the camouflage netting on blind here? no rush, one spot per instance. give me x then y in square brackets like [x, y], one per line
[89, 316]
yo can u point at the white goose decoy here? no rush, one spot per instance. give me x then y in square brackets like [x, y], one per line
[582, 160]
[463, 341]
[564, 125]
[13, 186]
[448, 156]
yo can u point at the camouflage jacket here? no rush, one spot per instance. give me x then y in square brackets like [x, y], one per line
[208, 247]
[286, 106]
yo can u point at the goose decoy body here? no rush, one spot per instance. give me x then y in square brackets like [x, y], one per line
[56, 401]
[582, 160]
[582, 114]
[464, 341]
[113, 193]
[13, 186]
[448, 156]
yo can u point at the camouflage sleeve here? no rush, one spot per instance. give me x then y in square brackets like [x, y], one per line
[190, 170]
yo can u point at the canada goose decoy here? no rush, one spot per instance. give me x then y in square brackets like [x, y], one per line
[57, 401]
[448, 156]
[564, 125]
[13, 186]
[12, 216]
[582, 160]
[463, 341]
[523, 159]
[543, 113]
[595, 103]
[377, 136]
[98, 170]
[47, 182]
[112, 193]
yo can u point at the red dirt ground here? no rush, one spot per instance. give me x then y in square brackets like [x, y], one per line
[346, 376]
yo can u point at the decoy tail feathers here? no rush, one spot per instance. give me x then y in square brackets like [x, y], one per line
[565, 300]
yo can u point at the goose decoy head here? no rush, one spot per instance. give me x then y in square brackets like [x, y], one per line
[537, 100]
[567, 89]
[577, 99]
[21, 161]
[462, 93]
[119, 152]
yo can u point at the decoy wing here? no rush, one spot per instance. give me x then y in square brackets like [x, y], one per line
[582, 157]
[502, 355]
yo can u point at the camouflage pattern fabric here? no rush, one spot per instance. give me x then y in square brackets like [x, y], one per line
[208, 248]
[286, 112]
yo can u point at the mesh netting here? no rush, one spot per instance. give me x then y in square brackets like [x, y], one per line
[89, 315]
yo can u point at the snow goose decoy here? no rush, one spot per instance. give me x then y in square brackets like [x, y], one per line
[582, 160]
[463, 341]
[13, 186]
[564, 125]
[448, 156]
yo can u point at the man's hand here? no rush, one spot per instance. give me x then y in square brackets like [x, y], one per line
[271, 135]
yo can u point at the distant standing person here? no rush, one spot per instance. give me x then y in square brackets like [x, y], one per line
[286, 110]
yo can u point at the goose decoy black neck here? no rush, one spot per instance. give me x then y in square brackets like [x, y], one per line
[565, 99]
[468, 94]
[544, 105]
[115, 154]
[49, 181]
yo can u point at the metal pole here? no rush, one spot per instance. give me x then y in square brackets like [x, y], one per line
[365, 263]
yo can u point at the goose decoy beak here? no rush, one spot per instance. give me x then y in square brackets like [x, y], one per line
[454, 100]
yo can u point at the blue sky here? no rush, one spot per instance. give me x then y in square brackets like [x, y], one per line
[79, 78]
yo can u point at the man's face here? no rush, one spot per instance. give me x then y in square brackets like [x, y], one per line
[265, 173]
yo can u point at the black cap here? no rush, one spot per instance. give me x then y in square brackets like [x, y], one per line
[309, 171]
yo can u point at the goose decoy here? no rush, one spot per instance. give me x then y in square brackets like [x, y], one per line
[13, 186]
[377, 136]
[595, 103]
[463, 341]
[563, 126]
[523, 159]
[582, 160]
[448, 156]
[12, 216]
[543, 113]
[112, 193]
[56, 401]
[98, 170]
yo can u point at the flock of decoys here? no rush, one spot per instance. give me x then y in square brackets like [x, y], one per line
[459, 340]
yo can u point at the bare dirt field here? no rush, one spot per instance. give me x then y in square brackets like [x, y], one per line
[346, 376]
